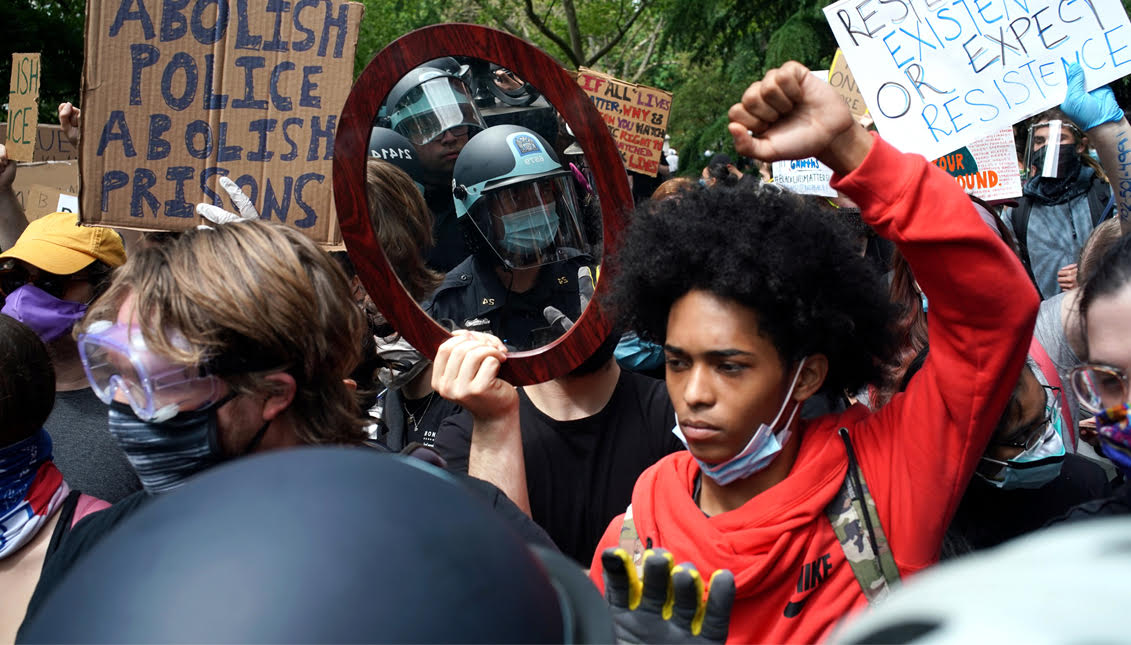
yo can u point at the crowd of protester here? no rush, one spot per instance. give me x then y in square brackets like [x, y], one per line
[802, 402]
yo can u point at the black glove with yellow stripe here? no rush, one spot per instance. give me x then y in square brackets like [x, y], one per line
[667, 606]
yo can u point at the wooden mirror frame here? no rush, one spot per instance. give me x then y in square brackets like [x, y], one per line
[351, 144]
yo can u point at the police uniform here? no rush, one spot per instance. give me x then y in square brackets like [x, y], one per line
[473, 297]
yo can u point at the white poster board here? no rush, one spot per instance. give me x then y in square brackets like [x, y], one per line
[986, 168]
[804, 176]
[938, 74]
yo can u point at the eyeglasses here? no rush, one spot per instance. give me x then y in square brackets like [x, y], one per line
[117, 361]
[423, 130]
[1099, 387]
[1030, 436]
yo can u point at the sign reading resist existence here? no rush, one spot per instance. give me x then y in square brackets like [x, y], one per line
[176, 94]
[938, 74]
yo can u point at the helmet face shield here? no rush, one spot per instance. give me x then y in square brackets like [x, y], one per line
[434, 107]
[531, 223]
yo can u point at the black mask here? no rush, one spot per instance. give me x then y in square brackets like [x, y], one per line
[1068, 164]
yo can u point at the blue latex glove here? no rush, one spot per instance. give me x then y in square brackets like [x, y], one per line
[1089, 109]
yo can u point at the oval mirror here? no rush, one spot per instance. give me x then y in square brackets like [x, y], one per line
[495, 196]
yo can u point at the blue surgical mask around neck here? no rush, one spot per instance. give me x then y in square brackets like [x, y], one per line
[762, 448]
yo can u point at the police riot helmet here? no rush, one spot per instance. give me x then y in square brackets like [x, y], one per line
[392, 147]
[517, 199]
[430, 101]
[293, 547]
[1038, 588]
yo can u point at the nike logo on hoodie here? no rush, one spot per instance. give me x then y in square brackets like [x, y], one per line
[812, 574]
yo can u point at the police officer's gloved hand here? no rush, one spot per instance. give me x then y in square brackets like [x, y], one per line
[667, 606]
[1089, 109]
[558, 321]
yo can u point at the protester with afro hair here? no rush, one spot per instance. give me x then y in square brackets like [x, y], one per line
[759, 305]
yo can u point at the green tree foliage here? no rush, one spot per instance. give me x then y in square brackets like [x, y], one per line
[54, 28]
[734, 42]
[386, 20]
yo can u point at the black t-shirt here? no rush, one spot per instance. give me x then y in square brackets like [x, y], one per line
[90, 530]
[404, 421]
[580, 474]
[988, 516]
[84, 450]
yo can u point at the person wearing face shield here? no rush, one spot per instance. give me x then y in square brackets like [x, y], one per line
[1063, 199]
[519, 212]
[432, 107]
[48, 280]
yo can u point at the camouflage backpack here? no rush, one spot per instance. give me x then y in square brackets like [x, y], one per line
[855, 522]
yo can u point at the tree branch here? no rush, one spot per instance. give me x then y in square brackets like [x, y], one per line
[574, 57]
[571, 25]
[648, 54]
[644, 4]
[497, 17]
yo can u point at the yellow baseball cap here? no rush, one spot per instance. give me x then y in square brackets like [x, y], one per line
[57, 244]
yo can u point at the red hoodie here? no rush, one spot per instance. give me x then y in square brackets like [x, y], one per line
[917, 453]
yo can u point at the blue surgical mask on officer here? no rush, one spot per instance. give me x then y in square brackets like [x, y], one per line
[530, 229]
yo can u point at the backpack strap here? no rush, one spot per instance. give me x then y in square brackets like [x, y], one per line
[63, 526]
[856, 524]
[1019, 218]
[1101, 201]
[1048, 369]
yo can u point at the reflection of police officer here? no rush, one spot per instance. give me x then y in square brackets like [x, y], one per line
[433, 107]
[518, 208]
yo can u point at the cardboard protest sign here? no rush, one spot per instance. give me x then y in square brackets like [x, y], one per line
[176, 94]
[50, 144]
[986, 168]
[804, 176]
[61, 176]
[840, 77]
[938, 74]
[637, 117]
[23, 107]
[42, 200]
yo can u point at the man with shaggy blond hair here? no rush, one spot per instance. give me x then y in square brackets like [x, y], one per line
[219, 343]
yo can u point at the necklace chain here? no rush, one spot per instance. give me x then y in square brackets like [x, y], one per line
[412, 417]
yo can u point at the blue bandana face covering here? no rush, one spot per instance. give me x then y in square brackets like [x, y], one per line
[760, 451]
[18, 464]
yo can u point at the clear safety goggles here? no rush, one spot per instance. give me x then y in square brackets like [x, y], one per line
[434, 107]
[118, 364]
[1099, 387]
[532, 223]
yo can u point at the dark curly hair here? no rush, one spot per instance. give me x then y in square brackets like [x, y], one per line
[767, 250]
